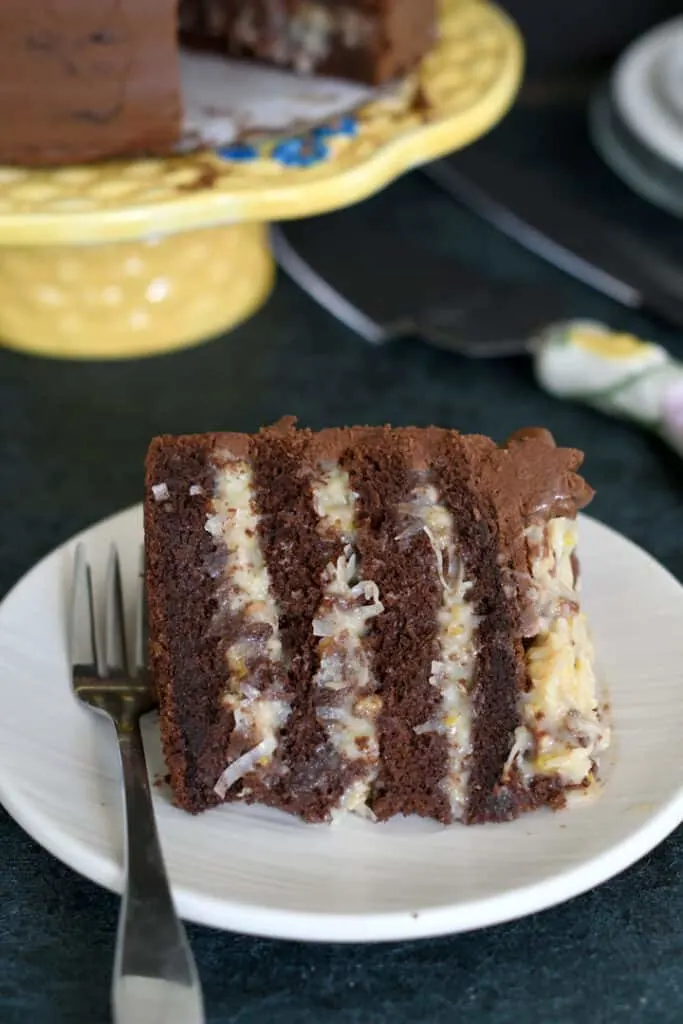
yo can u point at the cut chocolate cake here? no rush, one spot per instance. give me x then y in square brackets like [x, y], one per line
[91, 79]
[376, 620]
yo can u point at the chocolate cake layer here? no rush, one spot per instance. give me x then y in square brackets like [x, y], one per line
[525, 483]
[496, 679]
[382, 467]
[187, 654]
[376, 620]
[297, 555]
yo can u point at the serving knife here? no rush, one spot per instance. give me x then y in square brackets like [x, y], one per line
[551, 221]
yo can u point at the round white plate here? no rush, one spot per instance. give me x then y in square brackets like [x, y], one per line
[258, 871]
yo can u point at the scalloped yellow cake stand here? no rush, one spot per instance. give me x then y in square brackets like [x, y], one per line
[132, 258]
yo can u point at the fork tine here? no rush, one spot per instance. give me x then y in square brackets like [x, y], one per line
[141, 618]
[114, 629]
[82, 643]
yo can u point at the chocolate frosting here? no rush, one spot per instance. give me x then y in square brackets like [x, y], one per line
[529, 473]
[546, 480]
[84, 80]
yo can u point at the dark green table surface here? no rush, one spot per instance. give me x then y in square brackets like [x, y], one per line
[72, 441]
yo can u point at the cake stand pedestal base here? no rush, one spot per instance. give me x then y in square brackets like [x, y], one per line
[136, 298]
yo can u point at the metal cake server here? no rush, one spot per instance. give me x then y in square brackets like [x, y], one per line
[155, 978]
[383, 288]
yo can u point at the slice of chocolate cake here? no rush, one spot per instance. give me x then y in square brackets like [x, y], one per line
[376, 620]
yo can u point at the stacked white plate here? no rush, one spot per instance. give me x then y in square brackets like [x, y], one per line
[637, 121]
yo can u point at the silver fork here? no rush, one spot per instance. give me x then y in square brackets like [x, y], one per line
[155, 978]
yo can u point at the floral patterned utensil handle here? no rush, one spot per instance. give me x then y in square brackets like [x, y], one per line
[616, 373]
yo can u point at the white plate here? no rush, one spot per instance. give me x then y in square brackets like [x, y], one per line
[258, 871]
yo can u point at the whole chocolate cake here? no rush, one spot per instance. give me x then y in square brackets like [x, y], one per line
[83, 80]
[384, 621]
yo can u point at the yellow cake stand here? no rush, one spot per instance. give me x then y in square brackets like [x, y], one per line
[132, 258]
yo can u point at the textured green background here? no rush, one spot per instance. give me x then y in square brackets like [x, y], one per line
[72, 441]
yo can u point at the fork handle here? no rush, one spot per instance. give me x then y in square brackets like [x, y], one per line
[155, 978]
